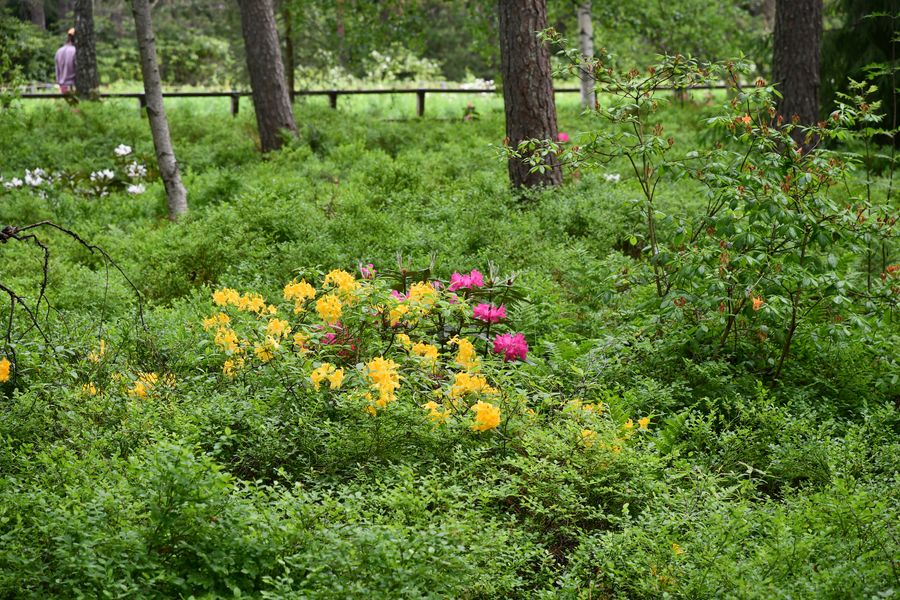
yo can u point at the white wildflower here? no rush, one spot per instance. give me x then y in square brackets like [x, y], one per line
[13, 183]
[136, 170]
[104, 175]
[35, 178]
[612, 177]
[136, 189]
[123, 150]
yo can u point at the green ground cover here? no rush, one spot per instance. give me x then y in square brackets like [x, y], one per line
[261, 485]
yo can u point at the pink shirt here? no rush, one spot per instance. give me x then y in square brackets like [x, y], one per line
[65, 65]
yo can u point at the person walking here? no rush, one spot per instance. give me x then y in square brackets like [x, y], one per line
[65, 64]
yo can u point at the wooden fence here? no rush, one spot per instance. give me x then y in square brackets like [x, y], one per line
[332, 95]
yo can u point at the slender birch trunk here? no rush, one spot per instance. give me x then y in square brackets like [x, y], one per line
[156, 113]
[586, 35]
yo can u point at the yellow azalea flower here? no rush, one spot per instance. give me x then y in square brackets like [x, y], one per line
[231, 365]
[320, 374]
[95, 357]
[435, 414]
[588, 437]
[143, 384]
[677, 549]
[342, 280]
[266, 351]
[385, 379]
[427, 351]
[465, 356]
[300, 341]
[278, 328]
[758, 302]
[227, 340]
[4, 369]
[253, 303]
[404, 340]
[208, 323]
[299, 291]
[329, 308]
[336, 379]
[397, 313]
[226, 296]
[88, 389]
[629, 424]
[487, 416]
[422, 294]
[644, 422]
[465, 384]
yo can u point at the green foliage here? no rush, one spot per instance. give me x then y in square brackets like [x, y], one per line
[628, 434]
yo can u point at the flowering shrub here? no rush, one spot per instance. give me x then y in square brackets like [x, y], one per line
[372, 341]
[129, 174]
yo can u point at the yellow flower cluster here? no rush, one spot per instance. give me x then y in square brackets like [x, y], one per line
[329, 308]
[299, 292]
[422, 295]
[343, 281]
[385, 379]
[465, 356]
[231, 365]
[219, 320]
[427, 351]
[466, 383]
[588, 437]
[487, 416]
[266, 350]
[436, 412]
[642, 423]
[145, 382]
[89, 389]
[95, 357]
[327, 371]
[4, 369]
[248, 303]
[278, 328]
[227, 340]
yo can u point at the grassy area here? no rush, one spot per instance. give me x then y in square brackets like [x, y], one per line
[210, 485]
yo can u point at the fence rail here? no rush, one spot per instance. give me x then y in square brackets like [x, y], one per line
[420, 93]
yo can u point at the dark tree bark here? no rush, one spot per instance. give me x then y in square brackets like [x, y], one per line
[527, 86]
[87, 80]
[176, 194]
[36, 13]
[289, 66]
[798, 39]
[270, 94]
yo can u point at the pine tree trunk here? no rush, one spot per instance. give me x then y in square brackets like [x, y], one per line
[270, 94]
[798, 37]
[289, 66]
[527, 86]
[87, 80]
[586, 35]
[36, 13]
[156, 112]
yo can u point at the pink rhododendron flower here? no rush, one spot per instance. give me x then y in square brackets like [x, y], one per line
[512, 345]
[458, 281]
[367, 271]
[562, 137]
[489, 312]
[399, 295]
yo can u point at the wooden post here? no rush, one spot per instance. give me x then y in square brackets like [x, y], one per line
[235, 103]
[332, 99]
[142, 102]
[420, 103]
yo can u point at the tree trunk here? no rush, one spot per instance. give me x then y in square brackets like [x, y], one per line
[798, 37]
[36, 13]
[586, 35]
[270, 94]
[289, 66]
[87, 81]
[156, 112]
[527, 86]
[340, 31]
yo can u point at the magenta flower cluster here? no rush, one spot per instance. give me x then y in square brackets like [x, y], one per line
[489, 313]
[459, 281]
[512, 345]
